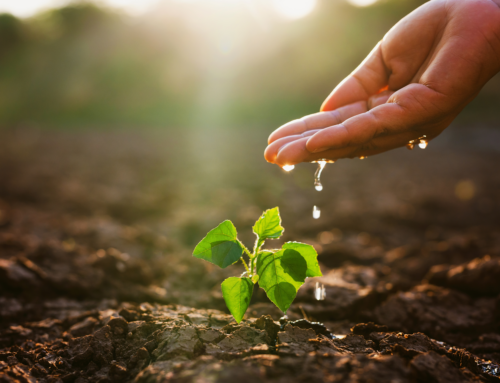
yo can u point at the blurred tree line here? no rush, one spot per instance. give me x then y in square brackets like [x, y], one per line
[188, 64]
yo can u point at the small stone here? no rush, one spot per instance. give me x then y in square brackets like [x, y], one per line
[118, 325]
[84, 327]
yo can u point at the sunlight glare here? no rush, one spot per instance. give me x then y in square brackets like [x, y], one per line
[133, 7]
[27, 8]
[294, 9]
[362, 3]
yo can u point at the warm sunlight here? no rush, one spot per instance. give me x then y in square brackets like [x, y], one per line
[362, 3]
[289, 9]
[294, 9]
[133, 7]
[27, 8]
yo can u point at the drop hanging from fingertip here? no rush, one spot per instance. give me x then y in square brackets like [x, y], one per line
[423, 142]
[288, 168]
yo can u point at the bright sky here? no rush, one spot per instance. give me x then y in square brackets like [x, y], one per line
[362, 3]
[289, 9]
[26, 8]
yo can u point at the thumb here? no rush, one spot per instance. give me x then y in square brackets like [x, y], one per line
[371, 77]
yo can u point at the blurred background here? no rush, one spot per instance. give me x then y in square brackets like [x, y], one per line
[180, 64]
[139, 125]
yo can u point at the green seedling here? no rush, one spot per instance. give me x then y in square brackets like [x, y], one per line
[279, 272]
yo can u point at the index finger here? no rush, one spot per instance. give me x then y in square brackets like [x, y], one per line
[318, 120]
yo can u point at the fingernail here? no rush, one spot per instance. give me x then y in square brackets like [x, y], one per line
[317, 150]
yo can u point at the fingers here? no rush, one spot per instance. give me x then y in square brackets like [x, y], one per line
[379, 99]
[294, 130]
[378, 145]
[297, 152]
[318, 121]
[370, 78]
[408, 109]
[272, 150]
[293, 153]
[353, 132]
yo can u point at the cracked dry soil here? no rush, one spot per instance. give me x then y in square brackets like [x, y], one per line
[97, 283]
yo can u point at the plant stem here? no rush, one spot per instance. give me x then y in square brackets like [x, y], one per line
[251, 265]
[246, 266]
[258, 245]
[250, 255]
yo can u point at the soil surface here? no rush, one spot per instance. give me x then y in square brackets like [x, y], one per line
[97, 281]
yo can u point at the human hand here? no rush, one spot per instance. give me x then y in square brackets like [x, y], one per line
[426, 69]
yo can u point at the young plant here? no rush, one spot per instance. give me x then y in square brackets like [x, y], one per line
[279, 272]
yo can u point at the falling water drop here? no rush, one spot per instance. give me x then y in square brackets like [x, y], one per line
[316, 212]
[410, 145]
[319, 292]
[317, 176]
[288, 168]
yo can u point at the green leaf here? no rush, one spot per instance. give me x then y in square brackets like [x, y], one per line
[309, 254]
[281, 274]
[220, 246]
[237, 293]
[269, 225]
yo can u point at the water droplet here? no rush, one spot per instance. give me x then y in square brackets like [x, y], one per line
[410, 145]
[422, 142]
[363, 157]
[288, 168]
[319, 292]
[316, 212]
[317, 176]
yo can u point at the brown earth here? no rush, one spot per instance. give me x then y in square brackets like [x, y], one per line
[97, 283]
